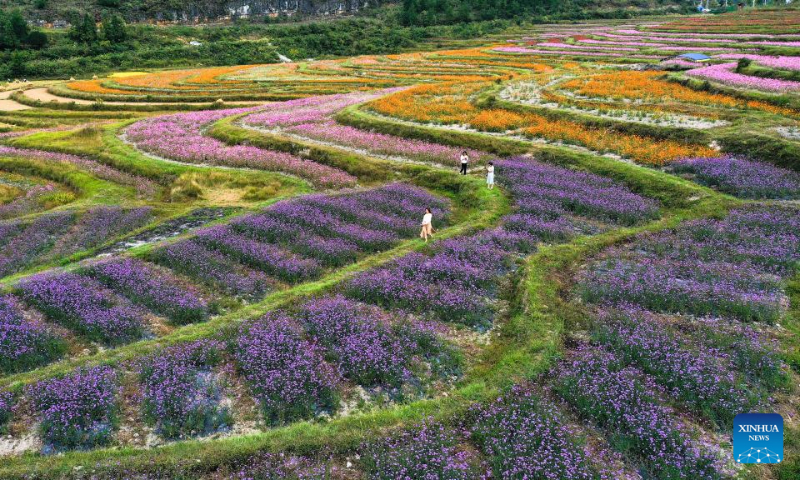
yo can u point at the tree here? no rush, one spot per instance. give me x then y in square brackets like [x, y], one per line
[37, 40]
[17, 65]
[114, 29]
[409, 12]
[19, 25]
[14, 32]
[8, 40]
[84, 31]
[464, 13]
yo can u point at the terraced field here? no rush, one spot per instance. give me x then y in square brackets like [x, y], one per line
[217, 273]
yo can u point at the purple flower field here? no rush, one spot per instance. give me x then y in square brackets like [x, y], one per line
[181, 396]
[296, 240]
[342, 225]
[547, 191]
[303, 110]
[623, 402]
[60, 234]
[764, 237]
[154, 288]
[328, 251]
[23, 245]
[730, 268]
[296, 362]
[383, 144]
[638, 338]
[78, 410]
[326, 223]
[440, 286]
[29, 202]
[269, 258]
[751, 352]
[84, 305]
[581, 53]
[742, 178]
[430, 450]
[695, 287]
[360, 341]
[244, 292]
[143, 186]
[457, 282]
[98, 225]
[192, 259]
[673, 335]
[24, 344]
[780, 62]
[587, 46]
[107, 301]
[524, 438]
[286, 372]
[368, 345]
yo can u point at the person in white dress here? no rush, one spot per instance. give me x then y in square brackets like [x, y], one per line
[490, 175]
[427, 225]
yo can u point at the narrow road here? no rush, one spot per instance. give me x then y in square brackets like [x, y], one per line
[43, 95]
[8, 105]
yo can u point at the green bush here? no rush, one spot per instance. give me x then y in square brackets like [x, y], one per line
[782, 153]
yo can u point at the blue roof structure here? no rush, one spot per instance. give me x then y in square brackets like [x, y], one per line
[697, 57]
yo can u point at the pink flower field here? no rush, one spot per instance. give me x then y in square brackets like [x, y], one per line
[180, 137]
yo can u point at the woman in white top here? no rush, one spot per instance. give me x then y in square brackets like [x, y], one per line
[490, 175]
[464, 162]
[427, 226]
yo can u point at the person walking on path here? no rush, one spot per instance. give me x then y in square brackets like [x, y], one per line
[464, 162]
[427, 225]
[490, 175]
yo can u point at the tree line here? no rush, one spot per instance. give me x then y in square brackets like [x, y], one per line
[442, 12]
[113, 29]
[15, 32]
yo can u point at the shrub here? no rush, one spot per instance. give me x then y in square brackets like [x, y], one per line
[523, 437]
[84, 305]
[429, 450]
[152, 287]
[78, 410]
[286, 373]
[601, 390]
[181, 395]
[25, 344]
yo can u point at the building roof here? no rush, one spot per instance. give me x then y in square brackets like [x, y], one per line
[694, 56]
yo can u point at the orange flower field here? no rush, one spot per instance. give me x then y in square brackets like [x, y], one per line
[449, 104]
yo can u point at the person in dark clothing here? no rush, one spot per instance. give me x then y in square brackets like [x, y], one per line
[464, 162]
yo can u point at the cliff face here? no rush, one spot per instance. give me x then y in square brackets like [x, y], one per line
[215, 9]
[188, 11]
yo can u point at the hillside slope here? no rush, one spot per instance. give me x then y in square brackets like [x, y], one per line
[413, 12]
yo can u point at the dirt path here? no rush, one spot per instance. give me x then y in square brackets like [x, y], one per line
[43, 95]
[8, 105]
